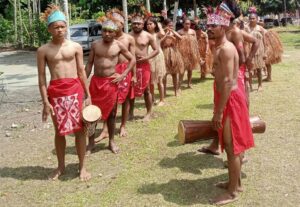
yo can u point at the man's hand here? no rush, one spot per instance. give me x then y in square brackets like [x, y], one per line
[118, 78]
[217, 121]
[48, 109]
[133, 81]
[141, 59]
[87, 101]
[249, 63]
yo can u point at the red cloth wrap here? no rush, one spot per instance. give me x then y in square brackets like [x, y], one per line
[104, 94]
[66, 97]
[143, 74]
[124, 86]
[236, 109]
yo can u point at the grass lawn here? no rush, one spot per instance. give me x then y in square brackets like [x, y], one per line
[153, 169]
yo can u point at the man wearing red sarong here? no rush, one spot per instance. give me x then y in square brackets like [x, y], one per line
[126, 85]
[237, 37]
[142, 41]
[231, 116]
[104, 57]
[65, 94]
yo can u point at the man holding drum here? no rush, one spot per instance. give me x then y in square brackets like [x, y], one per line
[63, 98]
[231, 117]
[104, 56]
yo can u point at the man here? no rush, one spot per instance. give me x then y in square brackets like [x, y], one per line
[237, 37]
[230, 118]
[142, 41]
[188, 47]
[63, 99]
[125, 85]
[104, 56]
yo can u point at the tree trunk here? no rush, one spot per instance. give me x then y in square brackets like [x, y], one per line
[175, 13]
[125, 12]
[15, 22]
[195, 8]
[148, 5]
[21, 25]
[165, 5]
[30, 23]
[66, 11]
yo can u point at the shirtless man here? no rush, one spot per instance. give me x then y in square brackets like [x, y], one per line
[188, 47]
[63, 99]
[126, 84]
[237, 37]
[142, 41]
[104, 56]
[230, 108]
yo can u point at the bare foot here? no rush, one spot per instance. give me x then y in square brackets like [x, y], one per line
[224, 199]
[103, 135]
[267, 80]
[89, 149]
[161, 103]
[147, 117]
[224, 185]
[84, 175]
[209, 150]
[259, 88]
[113, 147]
[190, 86]
[123, 132]
[56, 173]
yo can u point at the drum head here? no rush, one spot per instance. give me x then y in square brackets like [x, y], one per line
[91, 113]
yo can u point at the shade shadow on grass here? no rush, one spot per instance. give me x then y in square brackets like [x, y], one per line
[37, 172]
[185, 192]
[205, 106]
[192, 162]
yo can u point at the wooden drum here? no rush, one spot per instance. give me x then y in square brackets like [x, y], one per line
[91, 114]
[190, 131]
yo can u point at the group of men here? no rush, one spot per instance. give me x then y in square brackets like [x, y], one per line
[122, 72]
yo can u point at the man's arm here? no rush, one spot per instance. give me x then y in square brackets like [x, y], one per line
[90, 63]
[227, 56]
[255, 45]
[237, 38]
[81, 72]
[129, 57]
[132, 51]
[41, 63]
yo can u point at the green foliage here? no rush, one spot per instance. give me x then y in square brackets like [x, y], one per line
[6, 34]
[98, 14]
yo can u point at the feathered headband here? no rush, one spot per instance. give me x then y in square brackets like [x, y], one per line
[252, 10]
[53, 14]
[107, 23]
[116, 14]
[217, 16]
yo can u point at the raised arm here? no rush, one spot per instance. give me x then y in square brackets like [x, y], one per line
[90, 63]
[81, 73]
[41, 64]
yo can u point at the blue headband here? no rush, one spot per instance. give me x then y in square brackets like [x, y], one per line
[56, 16]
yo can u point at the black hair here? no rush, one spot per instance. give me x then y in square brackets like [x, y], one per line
[167, 21]
[151, 19]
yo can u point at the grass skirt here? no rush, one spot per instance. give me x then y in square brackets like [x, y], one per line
[188, 47]
[273, 48]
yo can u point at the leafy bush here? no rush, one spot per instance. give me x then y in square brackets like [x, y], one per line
[7, 30]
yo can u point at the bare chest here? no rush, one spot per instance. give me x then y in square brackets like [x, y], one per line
[110, 52]
[60, 54]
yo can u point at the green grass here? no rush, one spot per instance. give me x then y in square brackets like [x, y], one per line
[153, 169]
